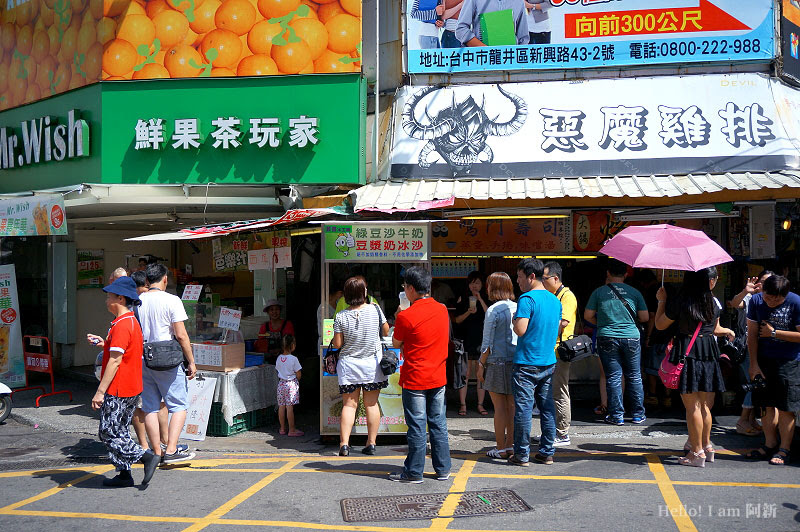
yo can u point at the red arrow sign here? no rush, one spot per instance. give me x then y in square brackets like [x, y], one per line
[705, 17]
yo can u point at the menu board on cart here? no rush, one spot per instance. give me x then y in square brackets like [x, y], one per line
[12, 366]
[229, 318]
[201, 394]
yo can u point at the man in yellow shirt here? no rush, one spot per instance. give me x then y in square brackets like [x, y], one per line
[341, 304]
[569, 314]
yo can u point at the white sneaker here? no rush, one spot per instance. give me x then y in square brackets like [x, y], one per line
[562, 442]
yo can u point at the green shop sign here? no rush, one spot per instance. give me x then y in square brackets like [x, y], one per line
[288, 129]
[263, 130]
[376, 243]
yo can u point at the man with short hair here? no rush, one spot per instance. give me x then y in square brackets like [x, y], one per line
[421, 331]
[616, 308]
[536, 324]
[773, 339]
[162, 316]
[569, 316]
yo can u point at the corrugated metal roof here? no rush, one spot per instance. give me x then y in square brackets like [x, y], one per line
[406, 195]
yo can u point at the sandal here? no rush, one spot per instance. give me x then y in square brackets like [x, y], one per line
[482, 411]
[746, 430]
[600, 410]
[762, 453]
[462, 411]
[282, 432]
[780, 458]
[495, 453]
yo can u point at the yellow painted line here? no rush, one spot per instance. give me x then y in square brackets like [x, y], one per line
[736, 484]
[52, 491]
[451, 501]
[240, 498]
[31, 473]
[674, 505]
[598, 480]
[354, 528]
[113, 517]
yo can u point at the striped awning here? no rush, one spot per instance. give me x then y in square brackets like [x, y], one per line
[416, 195]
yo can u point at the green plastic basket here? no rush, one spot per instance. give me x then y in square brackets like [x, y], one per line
[217, 426]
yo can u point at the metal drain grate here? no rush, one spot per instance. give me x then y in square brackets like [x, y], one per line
[427, 506]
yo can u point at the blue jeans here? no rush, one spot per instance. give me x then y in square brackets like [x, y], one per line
[529, 383]
[622, 357]
[428, 42]
[426, 406]
[449, 40]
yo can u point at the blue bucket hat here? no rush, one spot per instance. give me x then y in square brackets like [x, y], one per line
[123, 286]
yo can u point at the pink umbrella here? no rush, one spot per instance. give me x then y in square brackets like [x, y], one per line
[665, 246]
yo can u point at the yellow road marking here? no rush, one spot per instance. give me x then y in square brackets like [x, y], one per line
[52, 491]
[456, 491]
[114, 517]
[598, 480]
[30, 473]
[240, 498]
[674, 505]
[356, 528]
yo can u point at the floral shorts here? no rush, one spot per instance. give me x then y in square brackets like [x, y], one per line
[288, 392]
[368, 387]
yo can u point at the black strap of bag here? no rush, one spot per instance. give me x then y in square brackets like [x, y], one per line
[627, 306]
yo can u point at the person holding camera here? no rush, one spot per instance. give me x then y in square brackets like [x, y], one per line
[773, 338]
[696, 313]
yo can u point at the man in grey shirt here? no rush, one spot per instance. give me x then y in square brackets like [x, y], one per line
[468, 30]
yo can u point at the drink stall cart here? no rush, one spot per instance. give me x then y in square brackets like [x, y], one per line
[380, 251]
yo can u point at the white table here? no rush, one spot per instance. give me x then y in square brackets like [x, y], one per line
[244, 390]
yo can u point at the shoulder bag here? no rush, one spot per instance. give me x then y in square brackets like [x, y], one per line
[331, 359]
[164, 355]
[389, 359]
[671, 373]
[576, 346]
[624, 301]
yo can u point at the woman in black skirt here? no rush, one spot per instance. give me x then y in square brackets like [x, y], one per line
[701, 377]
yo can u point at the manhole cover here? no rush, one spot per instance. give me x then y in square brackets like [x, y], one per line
[427, 506]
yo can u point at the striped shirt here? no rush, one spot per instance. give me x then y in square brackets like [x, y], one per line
[360, 331]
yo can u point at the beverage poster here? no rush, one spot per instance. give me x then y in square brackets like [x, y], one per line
[12, 366]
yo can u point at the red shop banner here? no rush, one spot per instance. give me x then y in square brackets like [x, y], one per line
[591, 229]
[521, 235]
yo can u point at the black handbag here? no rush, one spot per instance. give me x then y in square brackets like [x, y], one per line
[389, 360]
[162, 356]
[331, 359]
[574, 348]
[456, 362]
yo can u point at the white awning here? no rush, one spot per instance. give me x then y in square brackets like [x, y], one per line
[413, 195]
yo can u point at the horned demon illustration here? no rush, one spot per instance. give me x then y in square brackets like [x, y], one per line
[459, 133]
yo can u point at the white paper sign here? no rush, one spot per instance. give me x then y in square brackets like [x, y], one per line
[192, 292]
[229, 318]
[269, 259]
[201, 394]
[762, 232]
[207, 354]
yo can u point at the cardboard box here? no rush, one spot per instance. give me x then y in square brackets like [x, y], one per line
[217, 357]
[497, 28]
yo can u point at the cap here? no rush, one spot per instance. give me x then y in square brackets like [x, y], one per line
[123, 286]
[272, 303]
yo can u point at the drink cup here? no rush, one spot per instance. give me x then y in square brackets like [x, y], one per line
[404, 302]
[473, 302]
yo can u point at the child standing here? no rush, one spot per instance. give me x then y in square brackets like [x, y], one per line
[288, 386]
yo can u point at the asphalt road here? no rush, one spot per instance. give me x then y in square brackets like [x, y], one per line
[629, 481]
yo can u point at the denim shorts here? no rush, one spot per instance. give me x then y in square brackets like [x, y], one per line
[169, 386]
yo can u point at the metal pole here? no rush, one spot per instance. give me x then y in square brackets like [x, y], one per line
[375, 126]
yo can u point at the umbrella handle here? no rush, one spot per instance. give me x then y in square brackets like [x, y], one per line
[662, 276]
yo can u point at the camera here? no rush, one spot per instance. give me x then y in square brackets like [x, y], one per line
[735, 353]
[758, 383]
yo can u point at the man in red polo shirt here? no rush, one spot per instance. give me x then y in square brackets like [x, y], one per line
[422, 332]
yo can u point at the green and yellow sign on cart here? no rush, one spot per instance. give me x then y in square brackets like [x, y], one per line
[374, 243]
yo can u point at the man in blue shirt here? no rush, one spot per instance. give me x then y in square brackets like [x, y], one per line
[773, 339]
[536, 324]
[616, 308]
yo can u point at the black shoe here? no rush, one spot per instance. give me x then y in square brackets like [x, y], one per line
[150, 461]
[123, 480]
[344, 450]
[369, 449]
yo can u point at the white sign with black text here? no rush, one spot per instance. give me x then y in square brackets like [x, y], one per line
[229, 318]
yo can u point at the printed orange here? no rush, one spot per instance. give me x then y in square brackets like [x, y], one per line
[291, 57]
[33, 93]
[151, 71]
[352, 6]
[136, 29]
[55, 43]
[154, 7]
[178, 61]
[183, 5]
[221, 72]
[204, 16]
[259, 39]
[134, 8]
[93, 64]
[3, 77]
[227, 44]
[277, 8]
[77, 5]
[119, 57]
[113, 8]
[329, 63]
[41, 45]
[237, 16]
[47, 66]
[95, 8]
[25, 40]
[87, 36]
[257, 65]
[344, 33]
[330, 10]
[62, 77]
[171, 27]
[47, 16]
[69, 43]
[313, 32]
[8, 36]
[106, 30]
